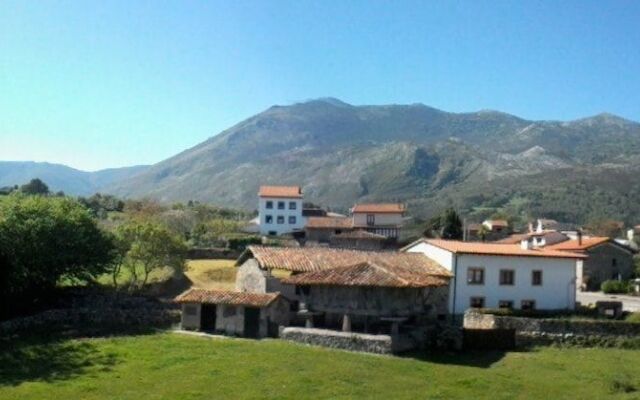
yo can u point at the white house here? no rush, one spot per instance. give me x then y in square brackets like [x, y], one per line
[280, 209]
[383, 219]
[489, 275]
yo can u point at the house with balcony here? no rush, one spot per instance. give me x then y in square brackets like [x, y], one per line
[383, 218]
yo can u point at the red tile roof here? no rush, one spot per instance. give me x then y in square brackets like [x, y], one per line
[280, 191]
[226, 297]
[319, 258]
[373, 274]
[383, 208]
[329, 223]
[575, 245]
[495, 249]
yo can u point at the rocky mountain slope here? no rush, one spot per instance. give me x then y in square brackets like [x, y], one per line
[413, 153]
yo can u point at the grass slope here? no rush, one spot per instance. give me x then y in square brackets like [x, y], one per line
[171, 366]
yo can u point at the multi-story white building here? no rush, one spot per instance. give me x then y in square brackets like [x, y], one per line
[280, 209]
[489, 275]
[382, 219]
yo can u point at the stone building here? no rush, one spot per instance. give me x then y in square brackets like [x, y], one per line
[607, 259]
[251, 315]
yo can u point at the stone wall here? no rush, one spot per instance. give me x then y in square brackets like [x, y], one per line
[380, 344]
[600, 267]
[552, 330]
[251, 278]
[97, 314]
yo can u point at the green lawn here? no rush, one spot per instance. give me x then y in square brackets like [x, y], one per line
[173, 366]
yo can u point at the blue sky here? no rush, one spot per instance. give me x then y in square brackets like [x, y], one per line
[106, 83]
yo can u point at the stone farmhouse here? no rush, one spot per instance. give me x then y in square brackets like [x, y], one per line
[396, 295]
[490, 275]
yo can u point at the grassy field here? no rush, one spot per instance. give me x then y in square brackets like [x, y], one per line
[212, 274]
[173, 366]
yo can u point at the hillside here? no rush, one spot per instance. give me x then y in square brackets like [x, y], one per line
[60, 177]
[426, 157]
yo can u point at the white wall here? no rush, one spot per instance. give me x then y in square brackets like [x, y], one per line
[381, 219]
[285, 227]
[557, 291]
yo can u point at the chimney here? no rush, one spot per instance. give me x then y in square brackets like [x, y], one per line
[579, 237]
[525, 244]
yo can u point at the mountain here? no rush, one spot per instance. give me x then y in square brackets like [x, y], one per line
[60, 177]
[423, 156]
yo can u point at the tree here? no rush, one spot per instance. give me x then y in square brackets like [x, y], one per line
[46, 239]
[35, 187]
[451, 225]
[446, 225]
[483, 232]
[147, 246]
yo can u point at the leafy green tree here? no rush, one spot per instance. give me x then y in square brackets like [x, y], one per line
[451, 225]
[147, 246]
[34, 187]
[46, 239]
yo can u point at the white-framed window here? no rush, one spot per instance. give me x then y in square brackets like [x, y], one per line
[268, 219]
[536, 278]
[476, 302]
[281, 205]
[292, 220]
[280, 219]
[475, 276]
[269, 204]
[505, 304]
[507, 276]
[293, 205]
[371, 219]
[528, 305]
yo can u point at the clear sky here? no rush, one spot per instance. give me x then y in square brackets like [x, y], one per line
[95, 84]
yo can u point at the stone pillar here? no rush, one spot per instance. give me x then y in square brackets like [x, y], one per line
[346, 323]
[395, 328]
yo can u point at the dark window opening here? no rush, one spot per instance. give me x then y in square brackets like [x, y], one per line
[505, 304]
[371, 219]
[268, 219]
[269, 204]
[281, 205]
[507, 276]
[528, 304]
[536, 278]
[475, 276]
[280, 219]
[476, 302]
[292, 205]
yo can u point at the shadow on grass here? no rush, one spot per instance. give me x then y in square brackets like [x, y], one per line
[37, 359]
[468, 358]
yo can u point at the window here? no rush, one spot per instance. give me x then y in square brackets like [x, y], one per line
[273, 233]
[476, 302]
[614, 262]
[281, 205]
[191, 310]
[505, 304]
[475, 276]
[528, 304]
[371, 219]
[292, 205]
[507, 276]
[536, 278]
[292, 220]
[268, 219]
[280, 219]
[269, 204]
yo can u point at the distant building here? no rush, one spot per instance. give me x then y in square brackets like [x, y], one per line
[280, 210]
[489, 230]
[382, 219]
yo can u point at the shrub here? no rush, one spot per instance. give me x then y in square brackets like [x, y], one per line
[633, 317]
[240, 243]
[622, 384]
[613, 286]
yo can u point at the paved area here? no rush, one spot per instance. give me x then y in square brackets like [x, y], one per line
[629, 303]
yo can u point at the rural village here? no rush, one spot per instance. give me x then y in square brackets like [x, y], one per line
[342, 281]
[319, 200]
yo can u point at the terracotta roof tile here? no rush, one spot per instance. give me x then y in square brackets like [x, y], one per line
[495, 249]
[320, 258]
[226, 297]
[280, 191]
[359, 234]
[329, 223]
[368, 273]
[585, 244]
[379, 208]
